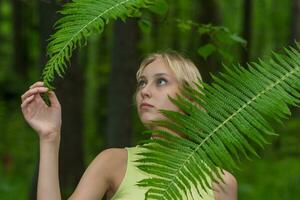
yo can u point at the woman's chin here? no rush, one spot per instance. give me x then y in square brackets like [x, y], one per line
[147, 118]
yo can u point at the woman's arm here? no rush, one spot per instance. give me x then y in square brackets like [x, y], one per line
[97, 179]
[48, 181]
[46, 121]
[94, 183]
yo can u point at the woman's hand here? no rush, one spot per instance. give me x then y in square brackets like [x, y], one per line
[45, 120]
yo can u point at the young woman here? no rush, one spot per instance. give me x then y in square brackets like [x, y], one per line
[113, 172]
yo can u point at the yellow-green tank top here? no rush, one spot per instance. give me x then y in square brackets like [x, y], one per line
[127, 190]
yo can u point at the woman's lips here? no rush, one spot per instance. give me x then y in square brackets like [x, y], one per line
[146, 106]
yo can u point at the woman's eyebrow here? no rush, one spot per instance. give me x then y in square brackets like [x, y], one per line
[160, 74]
[155, 75]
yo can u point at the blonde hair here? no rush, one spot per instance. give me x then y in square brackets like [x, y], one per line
[184, 69]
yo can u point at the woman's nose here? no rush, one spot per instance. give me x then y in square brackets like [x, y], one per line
[146, 91]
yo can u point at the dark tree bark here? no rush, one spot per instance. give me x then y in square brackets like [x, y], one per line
[247, 35]
[19, 40]
[173, 26]
[1, 39]
[70, 92]
[121, 86]
[208, 14]
[295, 22]
[295, 36]
[47, 18]
[155, 31]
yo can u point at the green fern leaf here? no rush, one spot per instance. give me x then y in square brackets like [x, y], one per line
[81, 19]
[233, 119]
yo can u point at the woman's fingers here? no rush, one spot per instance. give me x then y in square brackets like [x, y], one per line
[34, 91]
[39, 83]
[27, 101]
[36, 88]
[53, 99]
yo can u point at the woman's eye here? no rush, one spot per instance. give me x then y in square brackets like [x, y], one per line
[161, 81]
[141, 83]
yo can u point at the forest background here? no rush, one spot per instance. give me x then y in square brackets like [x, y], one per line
[97, 92]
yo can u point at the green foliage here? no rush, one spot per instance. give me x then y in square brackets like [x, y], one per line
[96, 85]
[215, 40]
[264, 18]
[289, 144]
[2, 111]
[18, 153]
[258, 177]
[160, 7]
[221, 39]
[206, 50]
[271, 30]
[81, 19]
[5, 38]
[221, 121]
[145, 25]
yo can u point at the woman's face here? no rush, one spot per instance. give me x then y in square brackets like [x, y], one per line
[156, 82]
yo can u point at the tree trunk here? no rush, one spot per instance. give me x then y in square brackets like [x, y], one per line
[2, 40]
[47, 18]
[121, 87]
[295, 25]
[19, 40]
[247, 35]
[295, 36]
[70, 92]
[209, 14]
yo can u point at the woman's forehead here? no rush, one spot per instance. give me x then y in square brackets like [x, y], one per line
[157, 67]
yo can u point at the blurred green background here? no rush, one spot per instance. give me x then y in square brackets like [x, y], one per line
[96, 93]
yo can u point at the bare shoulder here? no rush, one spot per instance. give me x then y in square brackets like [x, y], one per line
[111, 159]
[229, 179]
[226, 189]
[100, 174]
[112, 154]
[116, 167]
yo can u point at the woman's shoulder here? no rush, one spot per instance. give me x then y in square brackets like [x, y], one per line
[111, 154]
[112, 157]
[101, 172]
[228, 179]
[115, 160]
[107, 153]
[226, 188]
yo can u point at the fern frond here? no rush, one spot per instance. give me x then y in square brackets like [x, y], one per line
[81, 19]
[222, 120]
